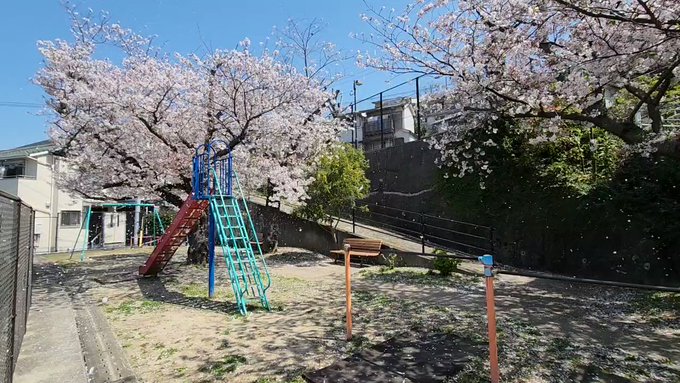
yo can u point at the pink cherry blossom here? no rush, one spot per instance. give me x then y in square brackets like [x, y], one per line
[540, 63]
[130, 128]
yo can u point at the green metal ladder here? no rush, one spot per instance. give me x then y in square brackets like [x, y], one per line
[248, 272]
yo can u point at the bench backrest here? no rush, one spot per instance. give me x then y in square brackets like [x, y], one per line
[364, 244]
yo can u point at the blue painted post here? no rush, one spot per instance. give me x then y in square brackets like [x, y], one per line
[211, 255]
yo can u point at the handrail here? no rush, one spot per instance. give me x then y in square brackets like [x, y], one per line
[425, 215]
[221, 228]
[252, 227]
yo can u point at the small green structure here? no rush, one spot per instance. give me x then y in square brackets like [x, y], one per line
[158, 228]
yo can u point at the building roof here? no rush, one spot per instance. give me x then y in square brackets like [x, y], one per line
[27, 150]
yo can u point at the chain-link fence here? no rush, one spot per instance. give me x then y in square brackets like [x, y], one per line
[16, 264]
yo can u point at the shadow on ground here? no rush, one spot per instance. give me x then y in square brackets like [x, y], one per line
[548, 330]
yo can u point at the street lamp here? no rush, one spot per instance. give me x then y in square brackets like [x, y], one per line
[354, 109]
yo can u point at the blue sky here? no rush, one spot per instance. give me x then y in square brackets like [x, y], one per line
[181, 26]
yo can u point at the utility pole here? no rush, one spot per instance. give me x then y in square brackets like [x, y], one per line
[382, 127]
[354, 112]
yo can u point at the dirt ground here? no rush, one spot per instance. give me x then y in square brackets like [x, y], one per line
[548, 331]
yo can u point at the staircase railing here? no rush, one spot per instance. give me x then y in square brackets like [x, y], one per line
[249, 269]
[252, 227]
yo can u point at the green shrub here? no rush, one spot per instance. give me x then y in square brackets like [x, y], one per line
[391, 260]
[339, 181]
[444, 265]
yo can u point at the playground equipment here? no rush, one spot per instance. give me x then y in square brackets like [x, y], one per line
[217, 190]
[157, 225]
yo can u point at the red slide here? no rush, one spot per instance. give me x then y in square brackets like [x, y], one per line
[174, 236]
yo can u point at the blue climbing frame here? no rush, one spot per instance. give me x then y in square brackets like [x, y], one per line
[216, 181]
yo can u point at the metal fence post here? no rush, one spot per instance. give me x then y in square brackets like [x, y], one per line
[422, 233]
[382, 127]
[418, 129]
[13, 320]
[29, 274]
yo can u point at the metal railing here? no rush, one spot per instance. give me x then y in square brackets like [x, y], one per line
[430, 230]
[16, 267]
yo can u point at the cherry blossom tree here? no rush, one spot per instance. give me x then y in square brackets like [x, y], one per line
[130, 124]
[300, 44]
[130, 128]
[542, 64]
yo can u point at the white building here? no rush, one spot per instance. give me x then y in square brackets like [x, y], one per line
[29, 172]
[396, 126]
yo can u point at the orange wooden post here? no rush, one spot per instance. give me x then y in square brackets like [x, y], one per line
[348, 292]
[487, 260]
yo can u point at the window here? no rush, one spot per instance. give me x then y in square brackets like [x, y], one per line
[70, 218]
[12, 169]
[114, 220]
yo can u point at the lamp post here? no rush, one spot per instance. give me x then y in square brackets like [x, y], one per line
[354, 110]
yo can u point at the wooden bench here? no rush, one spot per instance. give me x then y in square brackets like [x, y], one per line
[359, 247]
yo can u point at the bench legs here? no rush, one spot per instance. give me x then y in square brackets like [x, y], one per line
[337, 258]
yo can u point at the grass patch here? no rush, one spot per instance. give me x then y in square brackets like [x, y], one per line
[227, 365]
[658, 303]
[358, 344]
[297, 379]
[130, 307]
[372, 299]
[200, 290]
[181, 371]
[418, 277]
[286, 282]
[167, 352]
[67, 263]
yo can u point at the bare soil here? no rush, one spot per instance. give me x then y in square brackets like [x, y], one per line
[548, 331]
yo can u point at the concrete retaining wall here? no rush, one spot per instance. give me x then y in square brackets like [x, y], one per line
[291, 231]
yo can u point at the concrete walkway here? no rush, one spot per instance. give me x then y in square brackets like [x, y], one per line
[68, 338]
[51, 349]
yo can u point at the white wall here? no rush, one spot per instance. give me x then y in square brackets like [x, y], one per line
[40, 191]
[10, 185]
[36, 190]
[347, 135]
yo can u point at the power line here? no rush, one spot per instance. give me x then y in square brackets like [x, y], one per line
[19, 104]
[383, 91]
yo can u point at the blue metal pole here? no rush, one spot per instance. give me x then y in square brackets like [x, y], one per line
[211, 254]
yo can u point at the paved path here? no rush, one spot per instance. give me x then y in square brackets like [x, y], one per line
[67, 338]
[51, 349]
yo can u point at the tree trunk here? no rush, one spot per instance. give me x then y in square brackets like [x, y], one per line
[198, 243]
